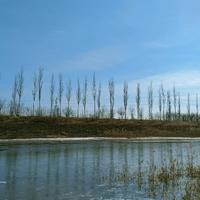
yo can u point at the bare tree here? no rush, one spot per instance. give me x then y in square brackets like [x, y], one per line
[138, 101]
[84, 100]
[125, 98]
[34, 91]
[111, 88]
[188, 106]
[179, 106]
[60, 93]
[20, 88]
[150, 101]
[56, 108]
[132, 112]
[141, 113]
[121, 112]
[68, 96]
[175, 100]
[40, 85]
[197, 107]
[94, 92]
[99, 100]
[2, 103]
[13, 103]
[104, 112]
[52, 91]
[78, 96]
[163, 100]
[160, 103]
[168, 105]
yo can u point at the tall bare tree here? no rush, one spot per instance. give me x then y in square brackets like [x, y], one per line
[111, 88]
[150, 101]
[174, 100]
[34, 91]
[56, 108]
[94, 91]
[188, 106]
[160, 103]
[2, 104]
[99, 100]
[60, 93]
[168, 105]
[138, 101]
[20, 89]
[40, 85]
[141, 113]
[163, 100]
[125, 98]
[121, 112]
[197, 107]
[68, 96]
[132, 112]
[84, 99]
[78, 96]
[52, 91]
[179, 106]
[13, 103]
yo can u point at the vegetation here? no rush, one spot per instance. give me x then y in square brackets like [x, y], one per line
[162, 105]
[173, 181]
[43, 127]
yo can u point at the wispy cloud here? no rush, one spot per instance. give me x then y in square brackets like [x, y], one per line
[59, 31]
[185, 78]
[97, 59]
[185, 81]
[157, 44]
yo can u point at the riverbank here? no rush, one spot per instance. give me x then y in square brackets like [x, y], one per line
[96, 139]
[48, 127]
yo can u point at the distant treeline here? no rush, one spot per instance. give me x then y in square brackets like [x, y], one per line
[168, 106]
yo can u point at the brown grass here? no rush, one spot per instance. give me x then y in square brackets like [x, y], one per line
[33, 127]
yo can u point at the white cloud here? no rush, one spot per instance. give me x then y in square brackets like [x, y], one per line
[98, 59]
[157, 45]
[185, 78]
[185, 81]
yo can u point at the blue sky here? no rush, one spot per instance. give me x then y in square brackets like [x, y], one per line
[133, 40]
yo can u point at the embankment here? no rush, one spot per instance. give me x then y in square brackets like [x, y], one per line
[48, 127]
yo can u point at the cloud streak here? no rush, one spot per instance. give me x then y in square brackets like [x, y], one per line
[98, 59]
[157, 45]
[182, 79]
[185, 81]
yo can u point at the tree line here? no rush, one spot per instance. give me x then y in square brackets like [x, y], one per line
[168, 102]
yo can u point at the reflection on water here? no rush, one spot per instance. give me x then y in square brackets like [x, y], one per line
[88, 170]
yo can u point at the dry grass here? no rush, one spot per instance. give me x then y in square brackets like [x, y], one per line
[33, 127]
[170, 182]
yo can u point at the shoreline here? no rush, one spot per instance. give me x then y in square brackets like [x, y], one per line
[48, 129]
[93, 139]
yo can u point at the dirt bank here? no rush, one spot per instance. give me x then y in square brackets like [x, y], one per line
[47, 127]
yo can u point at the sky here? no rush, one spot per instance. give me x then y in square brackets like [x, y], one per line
[133, 40]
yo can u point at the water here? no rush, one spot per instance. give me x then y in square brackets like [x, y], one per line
[88, 170]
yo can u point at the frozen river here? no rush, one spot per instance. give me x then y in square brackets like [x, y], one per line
[88, 169]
